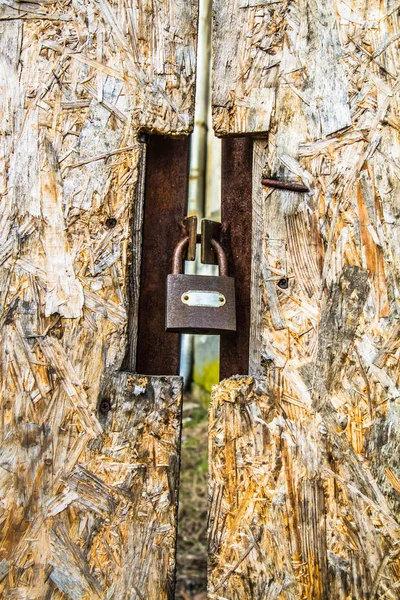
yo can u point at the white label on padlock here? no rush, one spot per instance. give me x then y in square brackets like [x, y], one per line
[203, 298]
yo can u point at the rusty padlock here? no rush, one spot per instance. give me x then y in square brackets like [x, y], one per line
[200, 303]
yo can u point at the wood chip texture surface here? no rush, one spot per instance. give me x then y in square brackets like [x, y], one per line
[305, 470]
[78, 81]
[95, 518]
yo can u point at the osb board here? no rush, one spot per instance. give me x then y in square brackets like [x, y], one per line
[325, 289]
[249, 63]
[148, 51]
[88, 517]
[294, 512]
[349, 219]
[77, 82]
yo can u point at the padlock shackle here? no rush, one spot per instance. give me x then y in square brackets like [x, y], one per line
[221, 256]
[177, 259]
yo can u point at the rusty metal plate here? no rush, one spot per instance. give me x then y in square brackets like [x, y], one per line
[236, 238]
[166, 192]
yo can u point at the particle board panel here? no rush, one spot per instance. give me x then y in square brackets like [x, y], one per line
[294, 512]
[78, 83]
[250, 63]
[324, 334]
[92, 514]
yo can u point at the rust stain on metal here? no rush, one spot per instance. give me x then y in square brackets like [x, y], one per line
[164, 213]
[236, 237]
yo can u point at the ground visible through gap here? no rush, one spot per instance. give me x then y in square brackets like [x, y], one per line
[192, 532]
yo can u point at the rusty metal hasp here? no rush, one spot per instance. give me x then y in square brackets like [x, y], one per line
[209, 230]
[191, 230]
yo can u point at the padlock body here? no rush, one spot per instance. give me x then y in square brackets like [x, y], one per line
[185, 312]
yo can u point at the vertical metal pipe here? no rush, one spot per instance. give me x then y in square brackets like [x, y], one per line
[198, 152]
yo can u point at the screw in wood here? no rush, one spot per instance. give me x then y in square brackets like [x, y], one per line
[111, 223]
[105, 407]
[283, 283]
